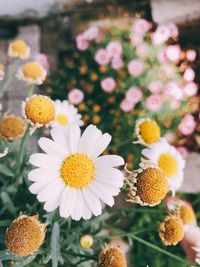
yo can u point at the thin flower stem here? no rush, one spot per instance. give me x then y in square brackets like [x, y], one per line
[9, 79]
[31, 88]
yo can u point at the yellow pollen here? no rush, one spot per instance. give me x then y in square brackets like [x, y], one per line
[40, 109]
[171, 230]
[149, 131]
[19, 47]
[32, 70]
[62, 119]
[11, 127]
[112, 257]
[78, 170]
[168, 164]
[186, 214]
[151, 186]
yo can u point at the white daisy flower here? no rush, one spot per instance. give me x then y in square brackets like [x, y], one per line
[168, 159]
[72, 176]
[66, 115]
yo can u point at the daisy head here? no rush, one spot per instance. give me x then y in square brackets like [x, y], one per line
[112, 256]
[11, 127]
[38, 110]
[154, 102]
[171, 230]
[136, 68]
[81, 43]
[168, 159]
[32, 73]
[141, 26]
[147, 186]
[126, 105]
[65, 115]
[114, 49]
[191, 55]
[134, 95]
[72, 176]
[19, 49]
[76, 96]
[108, 84]
[102, 57]
[147, 131]
[25, 235]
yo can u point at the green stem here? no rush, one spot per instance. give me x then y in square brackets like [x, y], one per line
[31, 88]
[10, 76]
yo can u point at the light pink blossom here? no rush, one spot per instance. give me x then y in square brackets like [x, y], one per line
[167, 70]
[141, 26]
[191, 55]
[136, 67]
[189, 75]
[172, 89]
[91, 33]
[183, 151]
[173, 30]
[142, 50]
[108, 84]
[170, 137]
[173, 53]
[155, 87]
[187, 125]
[81, 43]
[190, 89]
[114, 49]
[154, 102]
[161, 35]
[126, 106]
[101, 57]
[161, 56]
[76, 96]
[117, 63]
[174, 103]
[136, 39]
[134, 95]
[43, 61]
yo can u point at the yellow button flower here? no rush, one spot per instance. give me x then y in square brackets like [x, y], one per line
[11, 127]
[112, 257]
[86, 241]
[19, 49]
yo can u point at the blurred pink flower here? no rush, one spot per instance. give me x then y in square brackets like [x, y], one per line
[190, 89]
[114, 49]
[136, 39]
[101, 57]
[133, 95]
[161, 56]
[75, 96]
[141, 26]
[167, 70]
[173, 30]
[117, 63]
[191, 55]
[183, 151]
[126, 106]
[155, 87]
[161, 35]
[174, 104]
[172, 89]
[154, 102]
[142, 50]
[108, 84]
[170, 137]
[43, 61]
[187, 125]
[189, 75]
[91, 33]
[173, 53]
[136, 67]
[81, 43]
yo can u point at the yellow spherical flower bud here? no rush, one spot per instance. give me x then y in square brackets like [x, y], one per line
[86, 241]
[39, 110]
[147, 131]
[93, 77]
[82, 106]
[96, 108]
[32, 73]
[186, 213]
[2, 73]
[19, 49]
[147, 186]
[25, 235]
[11, 127]
[171, 230]
[96, 119]
[112, 257]
[102, 69]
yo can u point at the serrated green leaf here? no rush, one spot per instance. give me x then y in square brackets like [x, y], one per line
[55, 245]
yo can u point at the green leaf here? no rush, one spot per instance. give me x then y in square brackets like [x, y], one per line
[26, 261]
[7, 201]
[5, 170]
[55, 245]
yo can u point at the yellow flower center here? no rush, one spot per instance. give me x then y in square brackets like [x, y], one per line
[40, 109]
[149, 131]
[77, 170]
[151, 186]
[171, 230]
[62, 119]
[112, 257]
[11, 127]
[20, 47]
[86, 241]
[186, 214]
[168, 164]
[32, 70]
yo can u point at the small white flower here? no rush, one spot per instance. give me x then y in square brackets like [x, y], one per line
[169, 160]
[66, 115]
[72, 176]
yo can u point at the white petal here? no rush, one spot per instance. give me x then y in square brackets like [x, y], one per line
[59, 137]
[40, 174]
[109, 160]
[100, 145]
[53, 187]
[65, 206]
[92, 201]
[45, 161]
[54, 201]
[77, 211]
[74, 138]
[50, 147]
[111, 177]
[86, 212]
